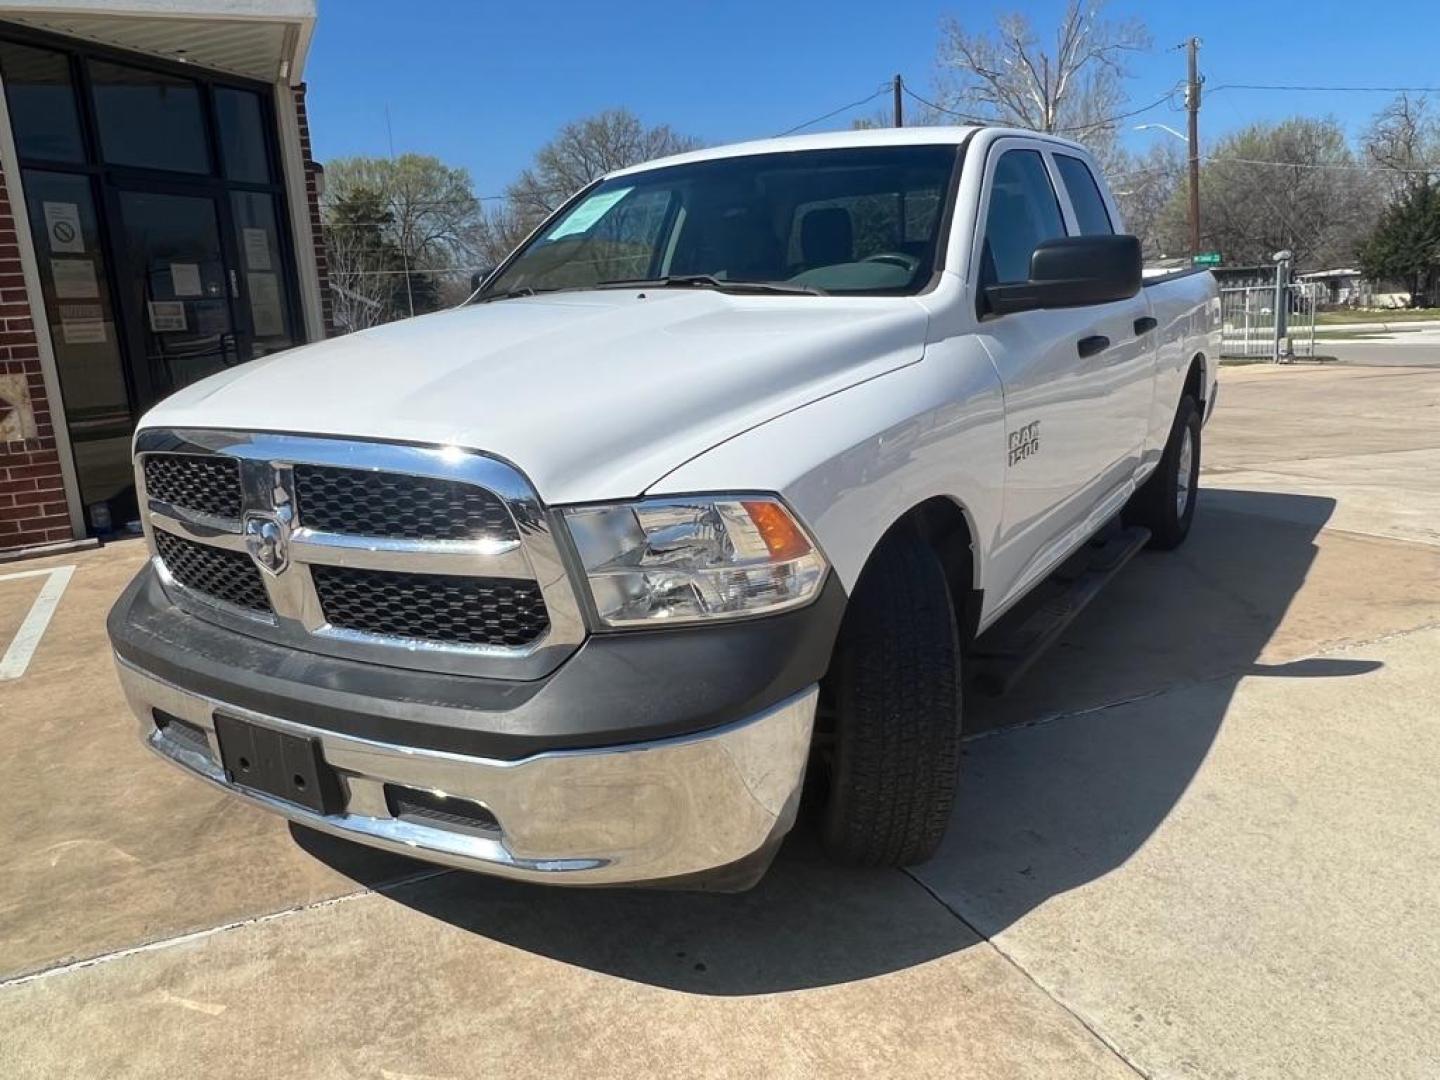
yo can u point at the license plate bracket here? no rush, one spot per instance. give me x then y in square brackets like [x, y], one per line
[288, 767]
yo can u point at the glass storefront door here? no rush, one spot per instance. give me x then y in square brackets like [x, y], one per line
[174, 273]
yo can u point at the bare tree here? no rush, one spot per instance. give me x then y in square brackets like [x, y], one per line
[1075, 88]
[1144, 186]
[588, 148]
[430, 207]
[1271, 186]
[581, 152]
[1404, 140]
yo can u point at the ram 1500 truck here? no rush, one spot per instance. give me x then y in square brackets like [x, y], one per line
[730, 482]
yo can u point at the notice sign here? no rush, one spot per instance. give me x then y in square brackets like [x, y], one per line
[266, 311]
[74, 279]
[167, 316]
[257, 249]
[82, 324]
[185, 279]
[62, 226]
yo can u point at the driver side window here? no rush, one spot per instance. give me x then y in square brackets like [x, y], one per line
[1023, 214]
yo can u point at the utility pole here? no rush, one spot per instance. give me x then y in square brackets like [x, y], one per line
[1192, 103]
[899, 114]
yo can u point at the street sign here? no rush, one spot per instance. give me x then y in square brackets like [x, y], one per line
[1206, 258]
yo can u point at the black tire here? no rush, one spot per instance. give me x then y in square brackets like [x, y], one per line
[1156, 505]
[893, 703]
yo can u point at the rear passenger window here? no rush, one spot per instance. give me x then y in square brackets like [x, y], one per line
[1023, 214]
[1085, 197]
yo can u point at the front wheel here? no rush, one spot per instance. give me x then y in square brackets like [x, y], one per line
[1165, 503]
[891, 733]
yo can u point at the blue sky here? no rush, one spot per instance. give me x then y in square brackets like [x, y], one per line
[483, 84]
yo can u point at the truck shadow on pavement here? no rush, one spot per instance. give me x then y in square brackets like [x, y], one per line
[1063, 782]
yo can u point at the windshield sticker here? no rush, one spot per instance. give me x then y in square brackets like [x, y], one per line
[588, 213]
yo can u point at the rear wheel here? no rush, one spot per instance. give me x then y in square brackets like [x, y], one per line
[890, 734]
[1165, 503]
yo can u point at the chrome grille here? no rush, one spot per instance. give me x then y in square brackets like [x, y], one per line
[204, 484]
[431, 607]
[229, 576]
[392, 504]
[410, 556]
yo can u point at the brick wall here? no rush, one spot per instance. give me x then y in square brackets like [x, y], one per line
[32, 491]
[312, 199]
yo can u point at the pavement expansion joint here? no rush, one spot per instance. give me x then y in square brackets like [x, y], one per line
[211, 931]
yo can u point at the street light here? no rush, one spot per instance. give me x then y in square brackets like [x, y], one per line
[1193, 143]
[1162, 127]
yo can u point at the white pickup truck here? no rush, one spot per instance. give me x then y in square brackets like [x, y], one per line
[729, 484]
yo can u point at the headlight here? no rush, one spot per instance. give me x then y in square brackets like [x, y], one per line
[661, 561]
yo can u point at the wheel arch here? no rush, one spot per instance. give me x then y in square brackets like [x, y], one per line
[1196, 383]
[944, 525]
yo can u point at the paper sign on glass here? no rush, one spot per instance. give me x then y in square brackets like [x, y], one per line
[185, 279]
[588, 213]
[62, 226]
[167, 316]
[265, 310]
[74, 279]
[82, 324]
[257, 249]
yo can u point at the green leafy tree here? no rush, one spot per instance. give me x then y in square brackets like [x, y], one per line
[1405, 245]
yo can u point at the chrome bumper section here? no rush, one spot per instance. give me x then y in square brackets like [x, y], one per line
[672, 808]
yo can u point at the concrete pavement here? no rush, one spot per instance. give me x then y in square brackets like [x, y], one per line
[1198, 842]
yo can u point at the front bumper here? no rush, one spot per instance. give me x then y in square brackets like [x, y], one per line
[705, 808]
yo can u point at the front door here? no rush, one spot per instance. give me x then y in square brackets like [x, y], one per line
[177, 282]
[1070, 441]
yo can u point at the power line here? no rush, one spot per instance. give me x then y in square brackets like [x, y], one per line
[1343, 166]
[1090, 126]
[941, 109]
[1331, 89]
[836, 112]
[1167, 96]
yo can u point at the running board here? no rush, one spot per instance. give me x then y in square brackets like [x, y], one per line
[1006, 650]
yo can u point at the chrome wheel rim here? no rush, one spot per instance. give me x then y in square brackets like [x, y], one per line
[1182, 472]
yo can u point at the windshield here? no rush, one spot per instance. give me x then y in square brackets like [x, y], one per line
[852, 221]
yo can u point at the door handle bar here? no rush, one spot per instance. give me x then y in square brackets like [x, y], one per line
[1090, 346]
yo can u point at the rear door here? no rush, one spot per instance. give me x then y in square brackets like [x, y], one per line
[1127, 364]
[1068, 374]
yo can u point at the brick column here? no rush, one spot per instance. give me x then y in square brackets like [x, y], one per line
[32, 488]
[313, 171]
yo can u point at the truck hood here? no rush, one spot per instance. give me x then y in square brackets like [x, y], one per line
[593, 395]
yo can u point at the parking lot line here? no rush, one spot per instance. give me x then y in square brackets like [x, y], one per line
[17, 656]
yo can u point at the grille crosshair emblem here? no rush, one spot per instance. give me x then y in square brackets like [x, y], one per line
[267, 541]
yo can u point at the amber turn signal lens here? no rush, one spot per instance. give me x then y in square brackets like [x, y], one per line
[779, 531]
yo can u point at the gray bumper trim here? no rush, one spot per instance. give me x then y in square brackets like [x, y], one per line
[626, 814]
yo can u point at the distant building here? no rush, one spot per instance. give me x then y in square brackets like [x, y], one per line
[1348, 287]
[159, 222]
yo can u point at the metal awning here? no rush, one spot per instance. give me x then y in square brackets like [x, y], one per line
[259, 39]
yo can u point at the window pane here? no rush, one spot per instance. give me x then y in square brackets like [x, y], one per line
[1085, 196]
[242, 135]
[259, 245]
[148, 119]
[42, 103]
[74, 281]
[1023, 214]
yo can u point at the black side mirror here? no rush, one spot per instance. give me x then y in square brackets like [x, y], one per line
[478, 278]
[1073, 271]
